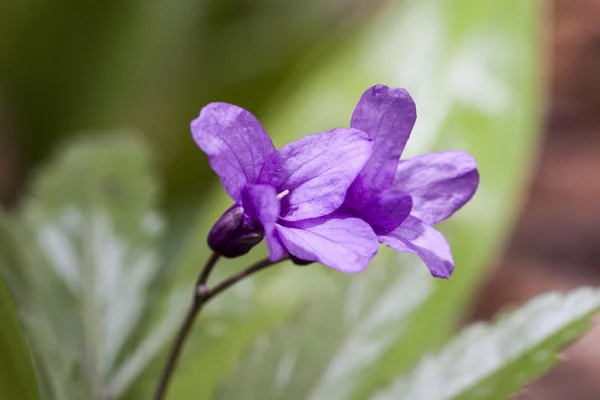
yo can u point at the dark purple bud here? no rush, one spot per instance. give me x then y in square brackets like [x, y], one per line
[300, 262]
[234, 234]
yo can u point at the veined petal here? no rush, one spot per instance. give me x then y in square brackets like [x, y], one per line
[414, 236]
[276, 248]
[439, 183]
[261, 202]
[235, 142]
[337, 241]
[317, 171]
[387, 115]
[387, 211]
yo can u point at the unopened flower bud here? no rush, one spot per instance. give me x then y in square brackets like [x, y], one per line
[233, 235]
[300, 262]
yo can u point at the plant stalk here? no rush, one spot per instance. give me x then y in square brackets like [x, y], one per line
[201, 296]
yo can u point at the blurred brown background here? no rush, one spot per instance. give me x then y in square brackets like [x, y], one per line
[556, 243]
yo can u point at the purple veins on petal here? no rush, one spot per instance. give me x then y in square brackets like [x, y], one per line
[387, 115]
[439, 183]
[262, 203]
[317, 170]
[387, 211]
[287, 195]
[340, 242]
[331, 197]
[235, 142]
[415, 236]
[402, 200]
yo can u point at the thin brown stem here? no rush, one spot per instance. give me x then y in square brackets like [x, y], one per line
[232, 280]
[186, 327]
[205, 273]
[201, 297]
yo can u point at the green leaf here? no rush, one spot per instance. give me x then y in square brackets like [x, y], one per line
[325, 353]
[336, 338]
[17, 377]
[492, 361]
[86, 257]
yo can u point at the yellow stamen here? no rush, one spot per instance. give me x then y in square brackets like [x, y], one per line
[283, 194]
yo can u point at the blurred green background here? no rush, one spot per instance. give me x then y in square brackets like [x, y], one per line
[95, 104]
[70, 66]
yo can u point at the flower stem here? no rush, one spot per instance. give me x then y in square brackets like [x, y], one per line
[205, 273]
[186, 327]
[232, 280]
[201, 296]
[175, 352]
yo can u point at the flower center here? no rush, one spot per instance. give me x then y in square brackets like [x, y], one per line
[283, 194]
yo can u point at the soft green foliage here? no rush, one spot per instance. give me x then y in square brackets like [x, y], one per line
[17, 377]
[85, 256]
[337, 337]
[232, 321]
[492, 362]
[324, 354]
[82, 260]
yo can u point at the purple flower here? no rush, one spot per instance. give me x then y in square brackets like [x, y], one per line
[287, 195]
[402, 200]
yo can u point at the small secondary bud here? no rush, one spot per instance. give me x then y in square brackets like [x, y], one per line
[233, 235]
[300, 262]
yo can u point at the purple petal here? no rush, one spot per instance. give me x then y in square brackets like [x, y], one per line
[276, 248]
[387, 211]
[235, 142]
[340, 242]
[260, 202]
[317, 170]
[414, 236]
[439, 183]
[387, 115]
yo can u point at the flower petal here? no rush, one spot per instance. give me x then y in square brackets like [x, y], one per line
[439, 183]
[317, 170]
[387, 115]
[387, 211]
[414, 236]
[235, 142]
[276, 248]
[260, 202]
[340, 242]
